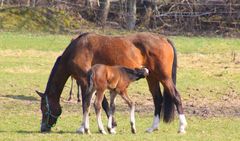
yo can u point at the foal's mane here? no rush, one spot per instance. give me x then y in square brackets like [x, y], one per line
[131, 73]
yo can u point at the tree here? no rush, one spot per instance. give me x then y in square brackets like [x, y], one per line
[131, 14]
[103, 11]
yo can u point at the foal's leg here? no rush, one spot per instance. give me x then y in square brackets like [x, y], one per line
[154, 88]
[132, 111]
[111, 128]
[171, 89]
[105, 106]
[98, 107]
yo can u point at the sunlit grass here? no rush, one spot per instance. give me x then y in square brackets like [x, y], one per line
[206, 69]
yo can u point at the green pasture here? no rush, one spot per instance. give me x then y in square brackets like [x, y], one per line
[208, 75]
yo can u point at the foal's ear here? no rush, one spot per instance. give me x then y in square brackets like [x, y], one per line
[39, 93]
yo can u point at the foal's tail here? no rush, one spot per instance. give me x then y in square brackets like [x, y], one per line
[169, 106]
[90, 82]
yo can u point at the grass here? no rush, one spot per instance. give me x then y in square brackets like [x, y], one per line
[207, 72]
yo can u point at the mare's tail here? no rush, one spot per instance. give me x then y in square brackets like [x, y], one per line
[169, 106]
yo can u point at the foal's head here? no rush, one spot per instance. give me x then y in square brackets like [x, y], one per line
[50, 112]
[137, 73]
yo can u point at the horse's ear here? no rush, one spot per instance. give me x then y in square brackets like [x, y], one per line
[39, 93]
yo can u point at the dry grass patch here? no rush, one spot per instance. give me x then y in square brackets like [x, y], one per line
[28, 53]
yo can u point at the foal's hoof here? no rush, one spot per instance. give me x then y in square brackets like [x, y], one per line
[103, 132]
[134, 131]
[87, 131]
[182, 132]
[112, 130]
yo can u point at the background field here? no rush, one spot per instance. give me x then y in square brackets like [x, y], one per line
[208, 80]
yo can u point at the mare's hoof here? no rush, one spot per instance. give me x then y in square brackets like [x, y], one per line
[80, 131]
[150, 130]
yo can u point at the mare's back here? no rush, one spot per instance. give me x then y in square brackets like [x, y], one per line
[107, 50]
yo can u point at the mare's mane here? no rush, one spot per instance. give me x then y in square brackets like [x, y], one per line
[53, 71]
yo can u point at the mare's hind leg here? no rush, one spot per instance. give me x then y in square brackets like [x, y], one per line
[98, 107]
[172, 94]
[132, 111]
[111, 128]
[182, 119]
[79, 92]
[70, 93]
[154, 88]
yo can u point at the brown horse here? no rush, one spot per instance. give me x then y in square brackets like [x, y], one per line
[153, 51]
[115, 78]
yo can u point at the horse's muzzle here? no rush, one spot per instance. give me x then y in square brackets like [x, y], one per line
[45, 129]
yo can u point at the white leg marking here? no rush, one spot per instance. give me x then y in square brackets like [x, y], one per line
[182, 123]
[86, 126]
[132, 119]
[100, 124]
[85, 121]
[155, 124]
[110, 121]
[81, 129]
[111, 130]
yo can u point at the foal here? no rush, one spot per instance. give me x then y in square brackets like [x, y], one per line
[116, 79]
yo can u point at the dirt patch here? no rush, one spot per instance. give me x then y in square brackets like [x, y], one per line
[228, 106]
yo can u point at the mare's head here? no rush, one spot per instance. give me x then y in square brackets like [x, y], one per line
[51, 110]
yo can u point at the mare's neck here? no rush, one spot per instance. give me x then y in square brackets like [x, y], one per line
[56, 81]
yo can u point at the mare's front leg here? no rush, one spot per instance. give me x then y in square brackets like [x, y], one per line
[132, 111]
[86, 109]
[111, 128]
[83, 84]
[154, 88]
[98, 108]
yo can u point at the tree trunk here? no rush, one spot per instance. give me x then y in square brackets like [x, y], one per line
[2, 3]
[103, 11]
[131, 14]
[28, 3]
[88, 3]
